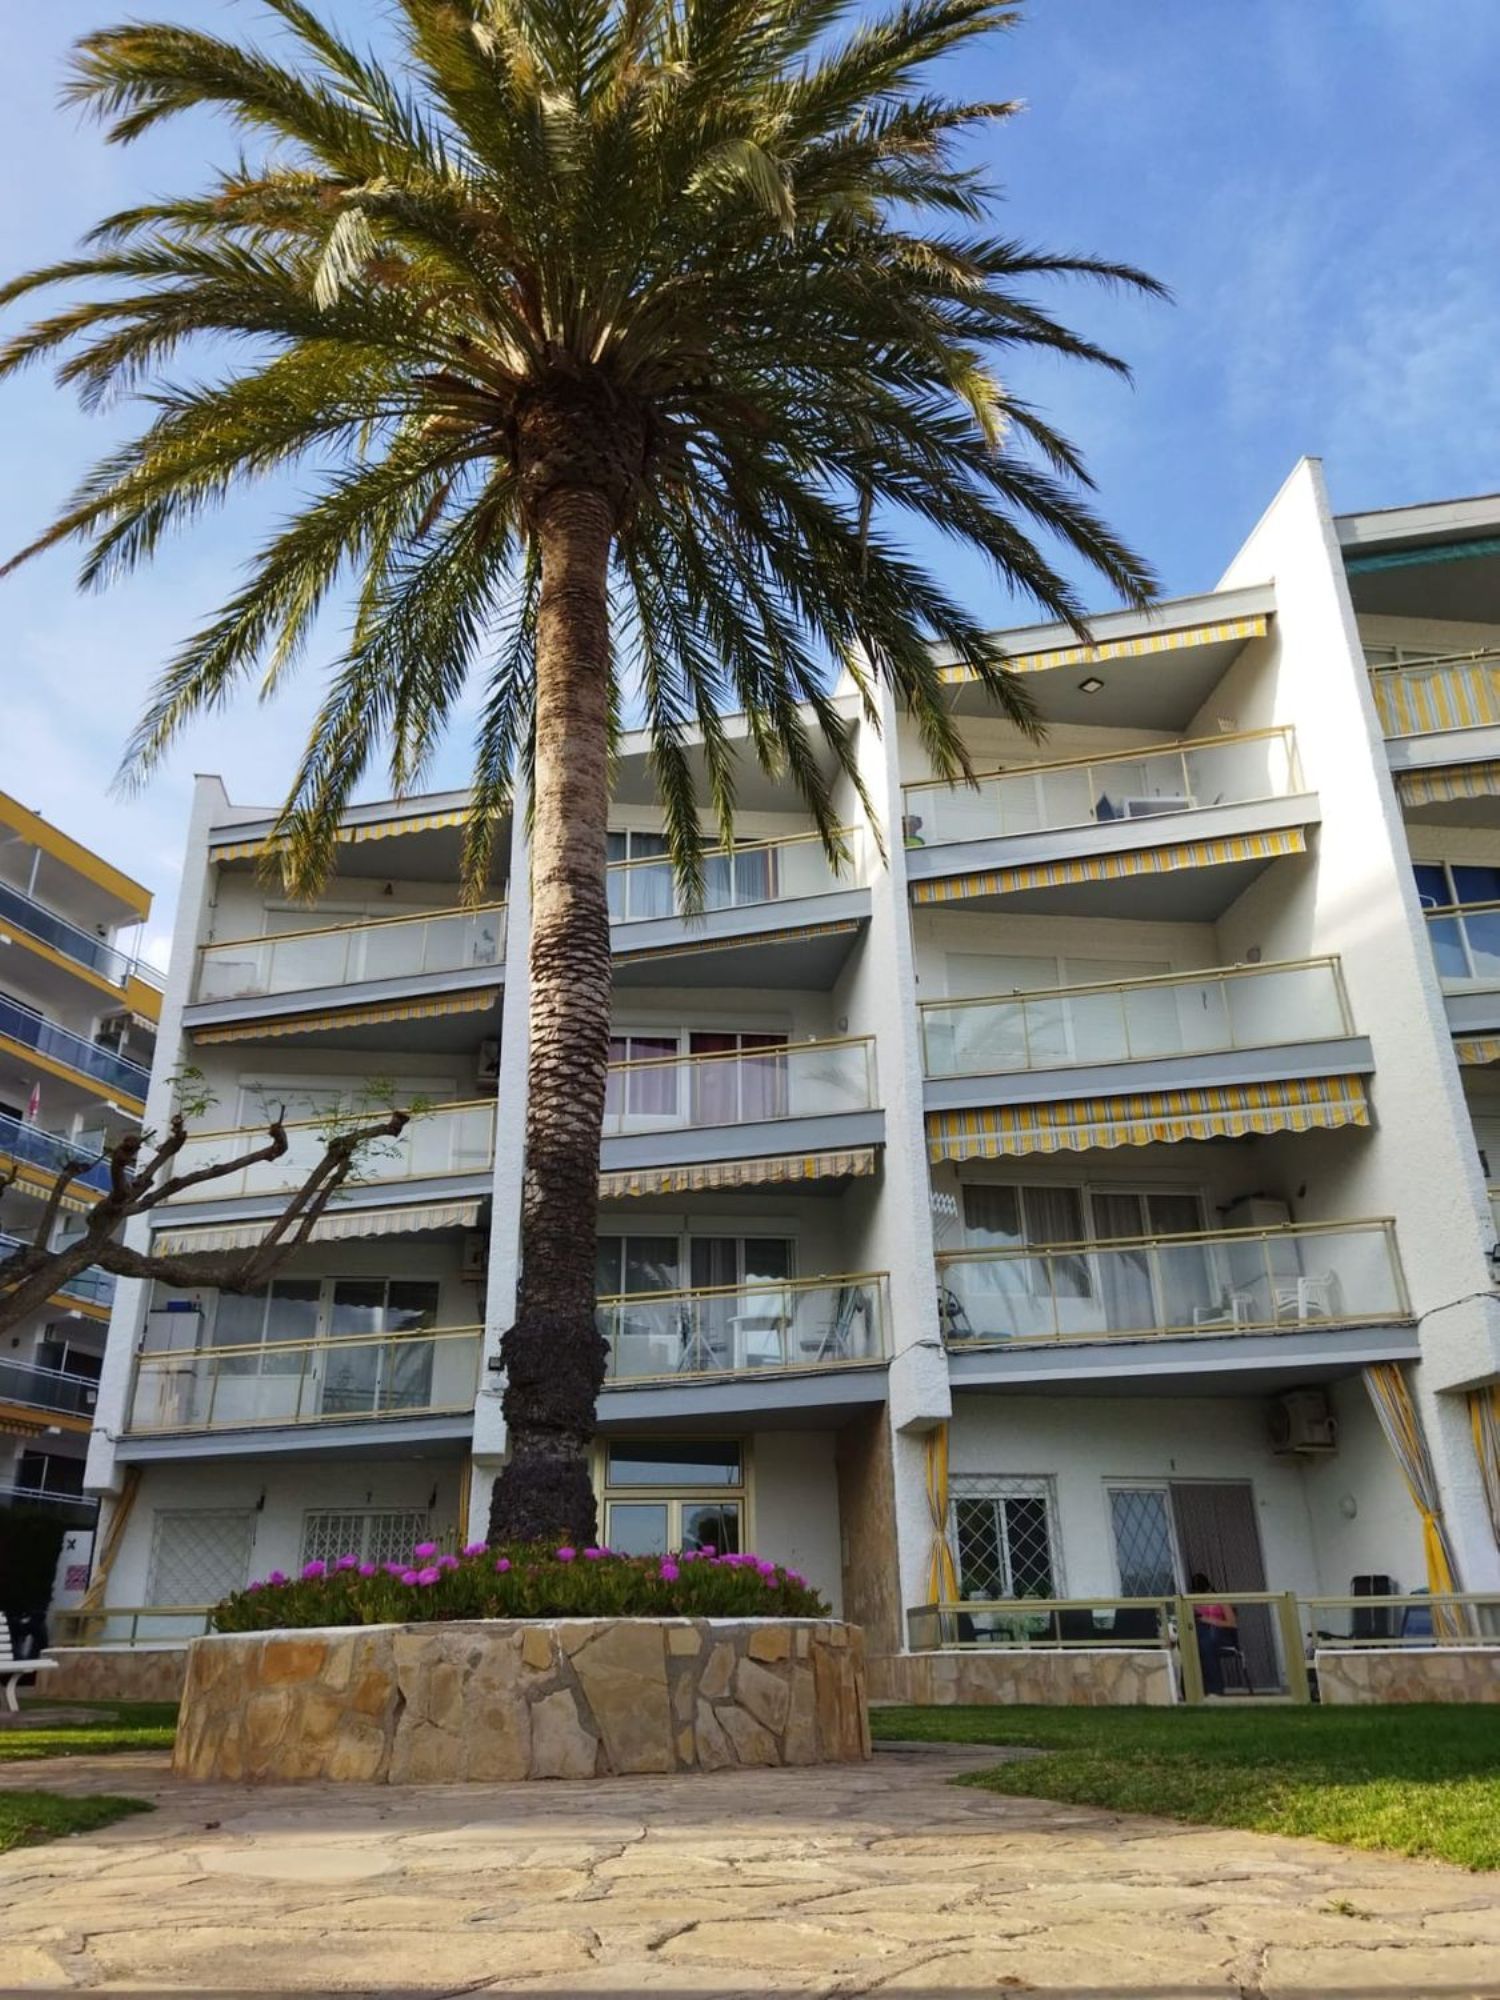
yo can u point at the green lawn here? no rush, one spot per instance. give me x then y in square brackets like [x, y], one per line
[29, 1817]
[115, 1726]
[1422, 1781]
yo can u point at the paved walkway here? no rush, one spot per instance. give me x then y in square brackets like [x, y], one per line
[881, 1879]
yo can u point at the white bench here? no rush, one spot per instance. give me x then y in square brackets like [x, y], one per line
[12, 1669]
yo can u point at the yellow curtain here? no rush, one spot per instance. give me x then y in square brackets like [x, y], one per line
[1403, 1433]
[1484, 1416]
[942, 1575]
[107, 1546]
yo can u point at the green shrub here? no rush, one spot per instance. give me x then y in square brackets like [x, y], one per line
[522, 1582]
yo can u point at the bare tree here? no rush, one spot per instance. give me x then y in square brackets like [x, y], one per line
[141, 1177]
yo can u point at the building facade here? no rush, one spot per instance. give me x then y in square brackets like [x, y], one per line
[1046, 1179]
[78, 1017]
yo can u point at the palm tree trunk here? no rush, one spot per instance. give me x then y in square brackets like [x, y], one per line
[554, 1356]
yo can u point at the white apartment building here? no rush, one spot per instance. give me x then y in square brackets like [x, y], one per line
[1103, 1121]
[78, 1013]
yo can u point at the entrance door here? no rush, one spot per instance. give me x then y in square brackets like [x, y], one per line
[1167, 1534]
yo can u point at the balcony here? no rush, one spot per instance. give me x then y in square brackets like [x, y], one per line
[91, 1063]
[90, 1287]
[1431, 697]
[50, 1152]
[448, 1140]
[51, 1389]
[1465, 942]
[762, 1341]
[403, 947]
[1211, 813]
[352, 1381]
[783, 890]
[93, 953]
[1236, 1008]
[1306, 1294]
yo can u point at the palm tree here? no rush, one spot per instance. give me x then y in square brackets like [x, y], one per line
[621, 339]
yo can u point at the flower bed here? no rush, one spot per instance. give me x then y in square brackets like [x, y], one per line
[520, 1583]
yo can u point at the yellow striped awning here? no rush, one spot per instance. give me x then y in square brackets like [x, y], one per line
[1436, 787]
[347, 1226]
[1077, 1125]
[1140, 647]
[353, 1017]
[630, 1183]
[736, 943]
[1472, 1050]
[1111, 867]
[1413, 700]
[374, 829]
[37, 1182]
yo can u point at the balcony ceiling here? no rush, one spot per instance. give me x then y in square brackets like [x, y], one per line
[431, 857]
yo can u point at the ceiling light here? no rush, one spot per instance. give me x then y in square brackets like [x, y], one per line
[1091, 686]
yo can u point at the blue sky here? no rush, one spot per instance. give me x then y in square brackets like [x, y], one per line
[1314, 179]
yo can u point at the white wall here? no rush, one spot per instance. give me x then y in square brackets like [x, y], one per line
[797, 1506]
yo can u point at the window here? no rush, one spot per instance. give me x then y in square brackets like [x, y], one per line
[642, 1094]
[1465, 946]
[633, 1264]
[637, 892]
[286, 1310]
[372, 1375]
[674, 1494]
[200, 1556]
[1003, 1536]
[375, 1537]
[44, 1472]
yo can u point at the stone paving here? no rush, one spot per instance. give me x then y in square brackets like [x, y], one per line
[844, 1880]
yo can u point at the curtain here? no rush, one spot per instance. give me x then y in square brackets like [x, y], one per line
[1218, 1536]
[1484, 1416]
[1403, 1433]
[942, 1575]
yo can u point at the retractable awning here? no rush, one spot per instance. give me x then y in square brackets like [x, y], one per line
[633, 1182]
[1472, 1050]
[1458, 694]
[1446, 782]
[375, 829]
[353, 1017]
[1076, 1125]
[345, 1227]
[1111, 867]
[750, 938]
[1140, 647]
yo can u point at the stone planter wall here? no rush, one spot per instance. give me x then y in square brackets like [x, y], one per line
[499, 1699]
[1109, 1677]
[116, 1673]
[1370, 1674]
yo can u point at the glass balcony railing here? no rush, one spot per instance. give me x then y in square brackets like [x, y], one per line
[85, 949]
[401, 947]
[1223, 1282]
[47, 1389]
[79, 1508]
[1136, 1020]
[762, 871]
[740, 1086]
[1425, 697]
[431, 1372]
[51, 1151]
[97, 1287]
[1129, 784]
[749, 1329]
[1465, 943]
[35, 1031]
[448, 1139]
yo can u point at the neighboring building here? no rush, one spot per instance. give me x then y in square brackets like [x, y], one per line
[1105, 1128]
[78, 1016]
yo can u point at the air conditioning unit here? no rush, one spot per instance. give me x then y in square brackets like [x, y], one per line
[487, 1075]
[1303, 1422]
[476, 1257]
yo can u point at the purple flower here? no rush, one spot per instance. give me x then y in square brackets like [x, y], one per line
[410, 1576]
[669, 1571]
[313, 1570]
[592, 1555]
[566, 1555]
[793, 1577]
[447, 1562]
[768, 1581]
[347, 1562]
[251, 1587]
[425, 1549]
[707, 1549]
[477, 1549]
[429, 1575]
[368, 1569]
[394, 1568]
[276, 1576]
[766, 1569]
[502, 1566]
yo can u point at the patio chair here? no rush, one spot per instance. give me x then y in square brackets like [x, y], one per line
[1232, 1308]
[1304, 1298]
[835, 1341]
[952, 1315]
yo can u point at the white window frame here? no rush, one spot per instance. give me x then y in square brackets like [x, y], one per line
[418, 1520]
[1000, 1488]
